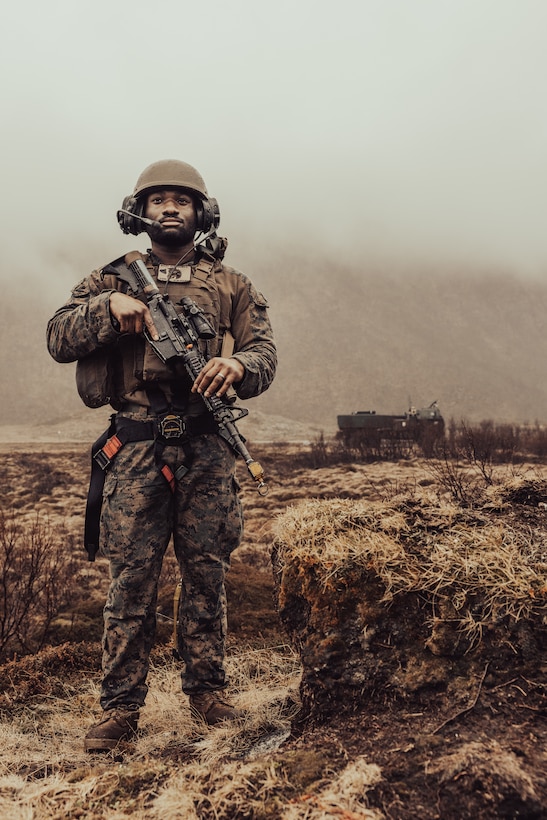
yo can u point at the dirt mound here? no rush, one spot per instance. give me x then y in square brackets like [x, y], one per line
[419, 607]
[48, 673]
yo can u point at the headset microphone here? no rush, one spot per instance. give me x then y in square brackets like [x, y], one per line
[150, 222]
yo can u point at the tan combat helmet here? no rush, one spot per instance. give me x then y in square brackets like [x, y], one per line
[168, 173]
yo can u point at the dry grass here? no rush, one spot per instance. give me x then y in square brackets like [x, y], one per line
[44, 772]
[342, 798]
[488, 568]
[487, 761]
[175, 768]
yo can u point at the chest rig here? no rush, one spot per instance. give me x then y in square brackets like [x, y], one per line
[198, 282]
[167, 423]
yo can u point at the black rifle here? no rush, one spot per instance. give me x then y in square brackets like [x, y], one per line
[178, 339]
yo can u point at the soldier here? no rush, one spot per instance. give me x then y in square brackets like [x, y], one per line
[101, 327]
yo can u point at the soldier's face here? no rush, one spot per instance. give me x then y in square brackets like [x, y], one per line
[175, 211]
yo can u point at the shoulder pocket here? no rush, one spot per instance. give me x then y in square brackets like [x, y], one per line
[94, 379]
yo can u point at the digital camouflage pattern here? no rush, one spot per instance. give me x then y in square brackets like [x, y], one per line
[139, 513]
[136, 525]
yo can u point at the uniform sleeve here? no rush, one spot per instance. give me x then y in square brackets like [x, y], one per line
[83, 324]
[254, 342]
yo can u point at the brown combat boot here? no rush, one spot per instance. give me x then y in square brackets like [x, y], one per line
[212, 709]
[115, 725]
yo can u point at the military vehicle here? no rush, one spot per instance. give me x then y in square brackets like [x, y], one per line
[368, 430]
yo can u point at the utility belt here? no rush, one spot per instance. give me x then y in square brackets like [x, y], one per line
[169, 428]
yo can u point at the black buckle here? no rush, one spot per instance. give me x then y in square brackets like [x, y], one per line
[172, 426]
[102, 460]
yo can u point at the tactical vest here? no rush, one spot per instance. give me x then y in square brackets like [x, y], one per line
[106, 375]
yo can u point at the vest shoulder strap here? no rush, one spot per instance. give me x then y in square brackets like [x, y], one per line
[228, 344]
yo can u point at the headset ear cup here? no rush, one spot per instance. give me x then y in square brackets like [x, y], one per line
[207, 215]
[125, 221]
[200, 215]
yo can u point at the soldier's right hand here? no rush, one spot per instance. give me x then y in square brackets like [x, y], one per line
[131, 315]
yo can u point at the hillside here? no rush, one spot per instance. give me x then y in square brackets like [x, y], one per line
[85, 425]
[351, 336]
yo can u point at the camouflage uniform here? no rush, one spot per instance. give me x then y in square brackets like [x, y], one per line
[140, 513]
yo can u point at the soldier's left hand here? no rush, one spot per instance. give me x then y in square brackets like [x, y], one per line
[217, 376]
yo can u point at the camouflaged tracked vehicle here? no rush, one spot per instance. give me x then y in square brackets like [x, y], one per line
[366, 429]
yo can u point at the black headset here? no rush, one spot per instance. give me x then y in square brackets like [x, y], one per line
[131, 217]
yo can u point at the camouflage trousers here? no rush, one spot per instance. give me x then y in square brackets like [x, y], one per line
[139, 516]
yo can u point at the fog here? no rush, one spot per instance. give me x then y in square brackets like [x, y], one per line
[392, 151]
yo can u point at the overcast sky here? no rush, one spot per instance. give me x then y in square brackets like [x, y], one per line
[416, 129]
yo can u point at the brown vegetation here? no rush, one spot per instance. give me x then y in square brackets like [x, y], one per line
[471, 743]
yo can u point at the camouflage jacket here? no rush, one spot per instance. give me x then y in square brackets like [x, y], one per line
[114, 368]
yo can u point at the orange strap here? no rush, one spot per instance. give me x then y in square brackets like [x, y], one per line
[169, 476]
[112, 446]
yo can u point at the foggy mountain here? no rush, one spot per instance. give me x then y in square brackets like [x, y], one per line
[351, 336]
